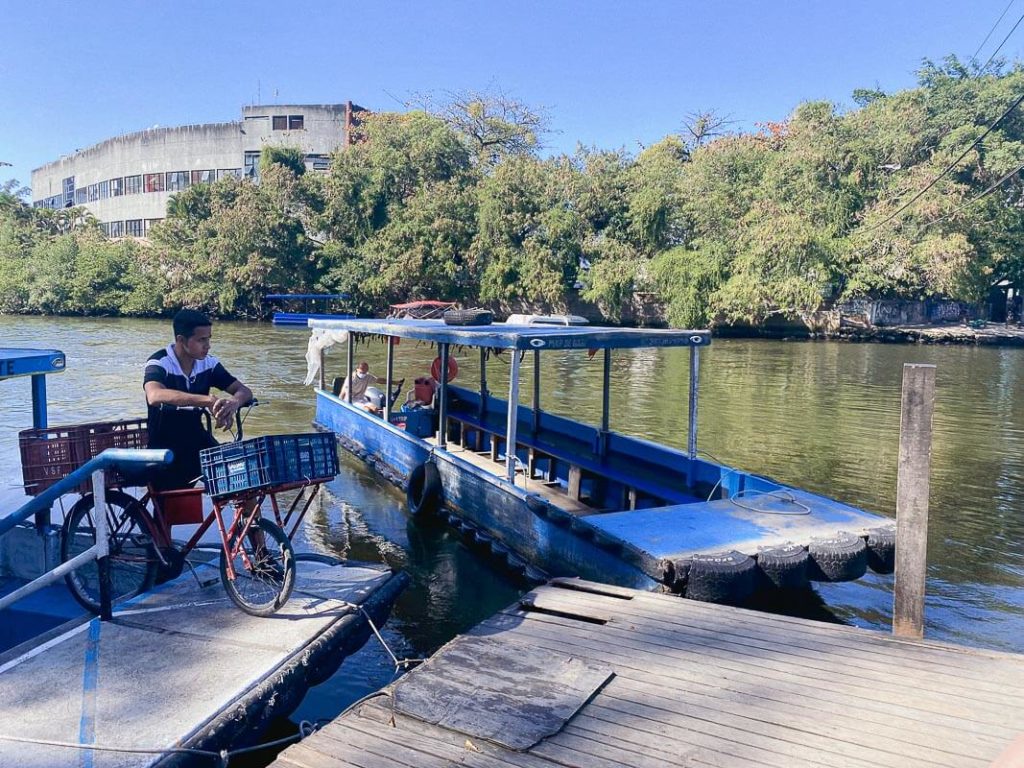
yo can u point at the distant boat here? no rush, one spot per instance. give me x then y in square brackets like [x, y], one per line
[289, 302]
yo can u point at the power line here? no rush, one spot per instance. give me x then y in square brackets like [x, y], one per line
[978, 197]
[975, 54]
[1000, 46]
[949, 167]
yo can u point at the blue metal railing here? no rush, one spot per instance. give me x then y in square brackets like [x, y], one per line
[95, 467]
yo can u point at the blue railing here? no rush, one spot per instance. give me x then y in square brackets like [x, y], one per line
[94, 468]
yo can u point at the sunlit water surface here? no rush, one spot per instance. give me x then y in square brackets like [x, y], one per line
[821, 415]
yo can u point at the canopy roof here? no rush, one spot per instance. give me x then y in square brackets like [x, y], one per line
[28, 362]
[502, 336]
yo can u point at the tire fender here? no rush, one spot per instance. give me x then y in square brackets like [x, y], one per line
[423, 493]
[840, 557]
[720, 577]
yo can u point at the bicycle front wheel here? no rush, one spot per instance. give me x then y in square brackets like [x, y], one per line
[132, 557]
[265, 576]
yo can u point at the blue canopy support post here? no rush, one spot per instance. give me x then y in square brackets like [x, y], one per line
[39, 401]
[513, 411]
[39, 421]
[442, 416]
[389, 377]
[483, 382]
[536, 392]
[348, 373]
[691, 442]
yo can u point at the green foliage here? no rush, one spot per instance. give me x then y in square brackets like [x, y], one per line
[454, 202]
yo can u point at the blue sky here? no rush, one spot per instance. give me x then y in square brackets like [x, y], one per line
[609, 74]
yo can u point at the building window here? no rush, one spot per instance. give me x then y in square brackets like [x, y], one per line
[150, 223]
[116, 229]
[252, 165]
[294, 122]
[203, 177]
[69, 191]
[132, 185]
[94, 192]
[318, 162]
[177, 181]
[280, 122]
[133, 228]
[116, 187]
[104, 189]
[80, 196]
[223, 173]
[154, 182]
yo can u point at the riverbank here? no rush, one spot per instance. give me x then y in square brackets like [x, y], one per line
[989, 334]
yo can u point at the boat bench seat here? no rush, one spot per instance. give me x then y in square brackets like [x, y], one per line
[576, 453]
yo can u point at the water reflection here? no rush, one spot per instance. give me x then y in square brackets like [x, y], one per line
[821, 415]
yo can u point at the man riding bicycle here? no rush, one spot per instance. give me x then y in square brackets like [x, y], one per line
[181, 374]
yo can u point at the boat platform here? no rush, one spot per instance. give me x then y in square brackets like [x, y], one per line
[181, 668]
[583, 674]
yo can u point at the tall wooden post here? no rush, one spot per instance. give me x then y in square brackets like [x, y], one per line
[912, 487]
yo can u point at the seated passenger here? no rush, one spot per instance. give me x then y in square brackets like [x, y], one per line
[361, 380]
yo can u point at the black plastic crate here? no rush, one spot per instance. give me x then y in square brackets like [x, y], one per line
[261, 462]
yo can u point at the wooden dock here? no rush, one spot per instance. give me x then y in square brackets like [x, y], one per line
[181, 667]
[582, 674]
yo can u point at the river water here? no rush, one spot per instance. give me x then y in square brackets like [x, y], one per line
[820, 415]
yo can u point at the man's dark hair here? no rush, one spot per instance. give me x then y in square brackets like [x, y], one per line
[186, 322]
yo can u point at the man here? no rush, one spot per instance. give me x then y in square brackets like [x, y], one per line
[361, 379]
[182, 374]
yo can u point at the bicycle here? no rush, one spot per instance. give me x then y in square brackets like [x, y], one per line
[257, 563]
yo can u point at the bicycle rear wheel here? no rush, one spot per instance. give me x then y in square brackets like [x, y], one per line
[133, 560]
[265, 584]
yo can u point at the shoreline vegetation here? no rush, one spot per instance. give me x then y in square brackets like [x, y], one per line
[711, 228]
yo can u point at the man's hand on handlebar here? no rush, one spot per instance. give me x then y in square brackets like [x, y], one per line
[223, 410]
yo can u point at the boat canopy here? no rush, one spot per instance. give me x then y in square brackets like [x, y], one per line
[525, 337]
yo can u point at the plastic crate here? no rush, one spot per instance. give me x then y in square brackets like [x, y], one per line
[262, 462]
[51, 454]
[416, 423]
[182, 507]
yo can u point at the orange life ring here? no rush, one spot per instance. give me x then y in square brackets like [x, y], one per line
[435, 368]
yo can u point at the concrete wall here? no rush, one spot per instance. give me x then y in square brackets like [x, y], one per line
[215, 146]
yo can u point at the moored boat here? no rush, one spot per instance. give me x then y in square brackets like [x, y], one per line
[567, 498]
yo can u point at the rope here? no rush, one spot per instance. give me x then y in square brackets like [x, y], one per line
[779, 494]
[223, 757]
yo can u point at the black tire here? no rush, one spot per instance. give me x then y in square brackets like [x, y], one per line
[468, 317]
[721, 577]
[840, 557]
[783, 567]
[316, 557]
[881, 543]
[262, 587]
[133, 560]
[423, 493]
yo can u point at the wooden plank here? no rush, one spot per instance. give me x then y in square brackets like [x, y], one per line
[744, 627]
[632, 655]
[575, 480]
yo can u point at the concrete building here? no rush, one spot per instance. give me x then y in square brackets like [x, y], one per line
[125, 182]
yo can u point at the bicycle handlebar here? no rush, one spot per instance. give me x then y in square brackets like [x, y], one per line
[239, 418]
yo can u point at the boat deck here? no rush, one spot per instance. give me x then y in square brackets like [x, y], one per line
[181, 666]
[581, 674]
[552, 491]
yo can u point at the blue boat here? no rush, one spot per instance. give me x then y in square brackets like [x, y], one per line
[572, 499]
[308, 302]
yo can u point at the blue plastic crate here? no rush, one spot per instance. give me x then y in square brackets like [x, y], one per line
[261, 462]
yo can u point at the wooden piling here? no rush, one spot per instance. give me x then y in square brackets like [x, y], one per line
[912, 486]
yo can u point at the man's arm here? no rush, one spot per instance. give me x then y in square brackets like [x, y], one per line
[157, 394]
